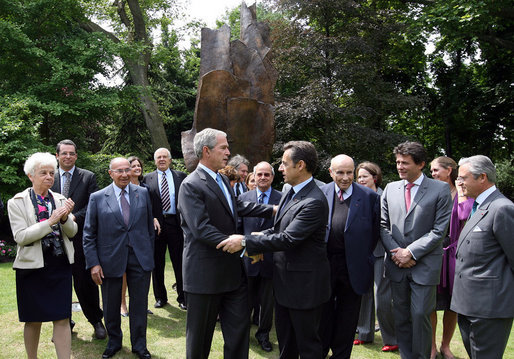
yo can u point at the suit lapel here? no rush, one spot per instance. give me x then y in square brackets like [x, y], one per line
[112, 203]
[175, 185]
[213, 186]
[355, 204]
[75, 180]
[422, 190]
[297, 198]
[134, 200]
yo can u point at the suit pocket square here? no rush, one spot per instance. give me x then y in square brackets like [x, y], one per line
[477, 229]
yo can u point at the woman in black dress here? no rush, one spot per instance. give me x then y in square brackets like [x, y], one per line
[41, 222]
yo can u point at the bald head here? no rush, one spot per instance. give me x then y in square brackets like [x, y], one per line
[341, 170]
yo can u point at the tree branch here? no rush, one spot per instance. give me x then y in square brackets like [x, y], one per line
[139, 21]
[90, 26]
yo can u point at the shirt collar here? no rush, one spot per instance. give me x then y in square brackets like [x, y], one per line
[346, 193]
[417, 182]
[299, 186]
[117, 190]
[483, 196]
[61, 171]
[167, 172]
[208, 170]
[267, 192]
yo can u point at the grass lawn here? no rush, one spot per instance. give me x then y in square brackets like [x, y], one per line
[166, 332]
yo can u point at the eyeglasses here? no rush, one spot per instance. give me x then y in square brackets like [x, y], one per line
[123, 170]
[71, 154]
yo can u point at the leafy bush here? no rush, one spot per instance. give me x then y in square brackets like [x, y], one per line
[7, 250]
[505, 177]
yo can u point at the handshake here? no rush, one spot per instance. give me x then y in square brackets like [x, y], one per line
[233, 244]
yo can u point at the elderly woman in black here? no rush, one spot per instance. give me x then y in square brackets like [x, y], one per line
[41, 222]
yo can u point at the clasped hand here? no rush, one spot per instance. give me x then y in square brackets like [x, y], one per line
[402, 257]
[61, 213]
[233, 244]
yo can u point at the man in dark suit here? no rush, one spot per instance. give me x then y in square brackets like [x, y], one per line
[301, 272]
[414, 219]
[164, 184]
[78, 184]
[260, 284]
[214, 282]
[483, 291]
[352, 234]
[119, 238]
[241, 165]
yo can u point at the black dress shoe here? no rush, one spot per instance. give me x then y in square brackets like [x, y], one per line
[109, 352]
[265, 345]
[159, 303]
[144, 354]
[182, 306]
[72, 324]
[100, 332]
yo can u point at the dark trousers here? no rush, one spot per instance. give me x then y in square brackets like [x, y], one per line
[412, 305]
[86, 290]
[340, 318]
[138, 284]
[485, 338]
[171, 238]
[260, 295]
[202, 311]
[297, 332]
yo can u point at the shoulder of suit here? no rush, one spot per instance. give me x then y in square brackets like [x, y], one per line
[83, 171]
[248, 195]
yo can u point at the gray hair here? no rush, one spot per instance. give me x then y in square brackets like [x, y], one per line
[206, 137]
[480, 164]
[37, 160]
[161, 149]
[237, 160]
[264, 162]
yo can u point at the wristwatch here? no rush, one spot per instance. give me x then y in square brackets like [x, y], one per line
[243, 242]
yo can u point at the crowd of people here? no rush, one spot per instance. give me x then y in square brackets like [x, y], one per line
[320, 258]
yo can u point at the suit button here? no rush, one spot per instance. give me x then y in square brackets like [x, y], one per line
[467, 241]
[460, 276]
[461, 259]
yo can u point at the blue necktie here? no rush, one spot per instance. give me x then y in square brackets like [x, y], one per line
[219, 181]
[289, 195]
[261, 197]
[474, 209]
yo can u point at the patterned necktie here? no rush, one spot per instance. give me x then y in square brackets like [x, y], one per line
[261, 197]
[340, 195]
[165, 194]
[407, 196]
[125, 207]
[66, 187]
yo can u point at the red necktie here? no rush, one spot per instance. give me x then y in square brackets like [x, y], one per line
[407, 195]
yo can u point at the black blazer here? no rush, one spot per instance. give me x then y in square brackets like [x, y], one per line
[252, 224]
[206, 220]
[151, 180]
[301, 273]
[83, 184]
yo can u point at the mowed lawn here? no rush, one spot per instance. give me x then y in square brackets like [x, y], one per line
[166, 332]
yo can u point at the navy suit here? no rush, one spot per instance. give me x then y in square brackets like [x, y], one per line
[352, 268]
[260, 285]
[121, 248]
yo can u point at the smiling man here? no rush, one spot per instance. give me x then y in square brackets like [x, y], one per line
[214, 282]
[119, 238]
[414, 219]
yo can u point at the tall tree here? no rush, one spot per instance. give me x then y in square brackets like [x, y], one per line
[134, 19]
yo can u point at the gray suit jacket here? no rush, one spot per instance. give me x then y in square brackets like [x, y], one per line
[106, 237]
[484, 272]
[421, 230]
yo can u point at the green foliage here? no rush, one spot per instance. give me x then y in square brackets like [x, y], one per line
[19, 138]
[505, 177]
[7, 250]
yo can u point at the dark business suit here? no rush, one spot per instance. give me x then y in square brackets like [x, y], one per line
[260, 274]
[214, 280]
[351, 260]
[171, 237]
[119, 249]
[483, 291]
[301, 273]
[83, 184]
[421, 230]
